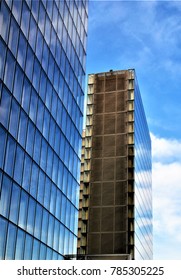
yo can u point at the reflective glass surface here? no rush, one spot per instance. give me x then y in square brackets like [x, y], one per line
[143, 183]
[41, 72]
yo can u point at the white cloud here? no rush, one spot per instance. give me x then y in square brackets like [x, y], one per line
[167, 196]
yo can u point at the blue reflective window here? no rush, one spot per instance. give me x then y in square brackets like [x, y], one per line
[18, 83]
[40, 115]
[35, 7]
[30, 138]
[14, 118]
[48, 100]
[68, 214]
[55, 169]
[9, 71]
[45, 57]
[10, 156]
[43, 85]
[38, 221]
[41, 186]
[37, 146]
[27, 172]
[53, 199]
[57, 139]
[52, 133]
[53, 42]
[29, 63]
[49, 254]
[60, 175]
[47, 193]
[20, 245]
[51, 65]
[39, 45]
[28, 247]
[64, 203]
[17, 5]
[32, 33]
[43, 160]
[25, 18]
[64, 183]
[47, 30]
[11, 241]
[23, 210]
[19, 163]
[36, 249]
[22, 50]
[49, 162]
[31, 215]
[50, 230]
[36, 74]
[14, 206]
[61, 238]
[58, 204]
[44, 229]
[5, 196]
[56, 235]
[5, 19]
[46, 124]
[2, 146]
[33, 105]
[2, 58]
[66, 242]
[34, 180]
[41, 20]
[43, 249]
[22, 128]
[3, 227]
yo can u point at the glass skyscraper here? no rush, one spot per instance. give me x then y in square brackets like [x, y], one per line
[42, 73]
[115, 217]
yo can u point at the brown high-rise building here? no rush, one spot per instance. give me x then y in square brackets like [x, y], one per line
[115, 215]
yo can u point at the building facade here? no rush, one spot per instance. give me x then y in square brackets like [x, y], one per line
[42, 73]
[115, 210]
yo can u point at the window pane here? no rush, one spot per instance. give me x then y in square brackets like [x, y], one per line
[18, 83]
[38, 221]
[53, 199]
[36, 74]
[27, 172]
[22, 50]
[9, 71]
[17, 5]
[19, 163]
[23, 210]
[13, 36]
[44, 230]
[47, 193]
[37, 146]
[11, 240]
[31, 215]
[30, 138]
[5, 104]
[2, 58]
[14, 118]
[33, 105]
[25, 18]
[32, 32]
[10, 156]
[34, 180]
[41, 186]
[50, 230]
[4, 21]
[28, 247]
[14, 206]
[43, 155]
[36, 249]
[22, 128]
[3, 227]
[20, 245]
[29, 63]
[2, 146]
[43, 249]
[5, 196]
[26, 95]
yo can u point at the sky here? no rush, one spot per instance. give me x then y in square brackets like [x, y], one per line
[146, 36]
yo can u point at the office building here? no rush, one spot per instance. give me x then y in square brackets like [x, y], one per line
[42, 73]
[115, 216]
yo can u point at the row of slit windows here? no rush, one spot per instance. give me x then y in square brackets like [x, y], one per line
[30, 138]
[53, 31]
[15, 243]
[19, 165]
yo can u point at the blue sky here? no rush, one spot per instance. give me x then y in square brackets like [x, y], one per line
[146, 35]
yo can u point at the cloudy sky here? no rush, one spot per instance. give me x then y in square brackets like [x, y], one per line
[146, 35]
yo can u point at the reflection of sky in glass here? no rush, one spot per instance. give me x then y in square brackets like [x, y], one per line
[143, 194]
